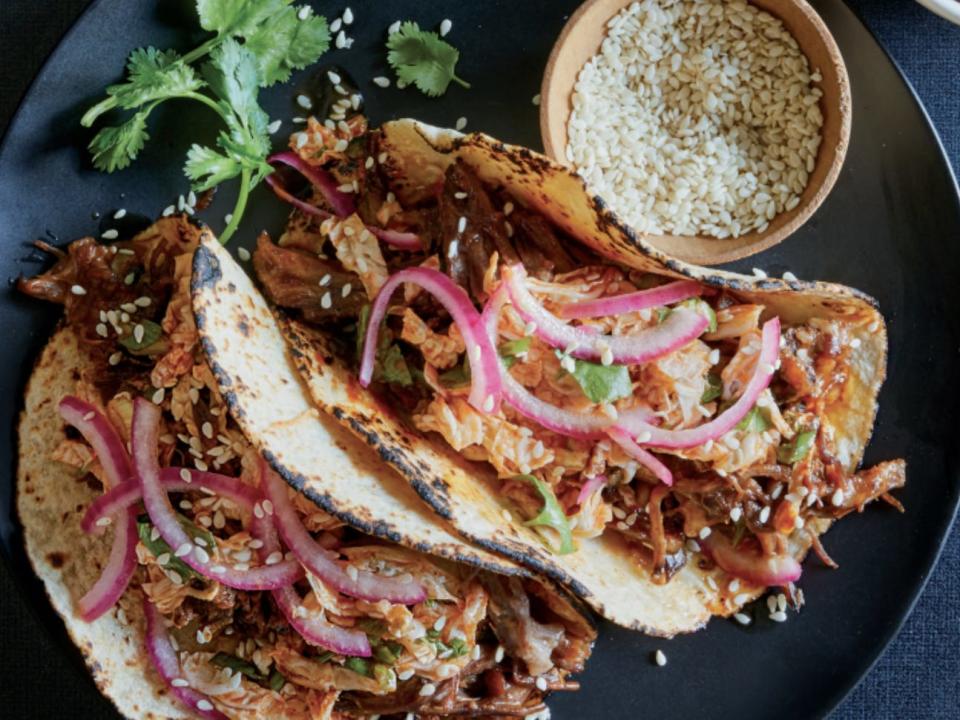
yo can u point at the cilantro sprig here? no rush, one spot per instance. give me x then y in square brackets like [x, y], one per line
[256, 44]
[422, 58]
[551, 515]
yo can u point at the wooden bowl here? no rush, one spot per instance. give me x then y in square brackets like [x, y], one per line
[580, 40]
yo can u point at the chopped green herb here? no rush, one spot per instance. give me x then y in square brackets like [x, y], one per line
[552, 515]
[362, 322]
[713, 390]
[601, 383]
[256, 44]
[388, 652]
[373, 628]
[755, 421]
[359, 666]
[422, 58]
[793, 452]
[458, 647]
[392, 368]
[455, 377]
[159, 546]
[323, 657]
[739, 530]
[276, 681]
[510, 350]
[704, 308]
[151, 333]
[222, 659]
[384, 676]
[662, 313]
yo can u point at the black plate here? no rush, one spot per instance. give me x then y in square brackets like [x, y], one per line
[883, 230]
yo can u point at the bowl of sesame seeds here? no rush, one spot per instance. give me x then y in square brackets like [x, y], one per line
[713, 128]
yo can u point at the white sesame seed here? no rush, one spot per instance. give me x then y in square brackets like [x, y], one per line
[692, 545]
[488, 404]
[541, 684]
[498, 655]
[765, 514]
[336, 25]
[705, 532]
[742, 618]
[202, 555]
[326, 301]
[771, 603]
[158, 396]
[274, 126]
[268, 507]
[191, 198]
[305, 102]
[243, 254]
[736, 513]
[644, 437]
[258, 510]
[274, 558]
[758, 273]
[179, 682]
[200, 465]
[779, 616]
[341, 146]
[461, 224]
[101, 330]
[741, 599]
[781, 602]
[461, 123]
[789, 276]
[445, 27]
[837, 498]
[381, 81]
[427, 690]
[207, 430]
[731, 442]
[205, 705]
[855, 343]
[734, 585]
[453, 250]
[138, 332]
[405, 674]
[346, 290]
[104, 521]
[776, 491]
[341, 41]
[304, 12]
[660, 658]
[535, 99]
[440, 623]
[183, 550]
[714, 356]
[110, 234]
[168, 211]
[798, 522]
[348, 16]
[394, 28]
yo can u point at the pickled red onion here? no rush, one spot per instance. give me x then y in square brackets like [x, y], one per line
[485, 387]
[341, 202]
[100, 435]
[637, 426]
[750, 566]
[591, 486]
[681, 327]
[644, 457]
[631, 302]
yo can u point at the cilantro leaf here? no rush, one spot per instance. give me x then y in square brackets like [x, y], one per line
[601, 383]
[713, 390]
[511, 349]
[236, 17]
[754, 421]
[206, 167]
[793, 452]
[226, 660]
[151, 333]
[455, 377]
[115, 147]
[232, 75]
[285, 42]
[421, 58]
[552, 515]
[393, 368]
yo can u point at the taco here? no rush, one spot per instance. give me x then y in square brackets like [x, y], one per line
[196, 582]
[664, 440]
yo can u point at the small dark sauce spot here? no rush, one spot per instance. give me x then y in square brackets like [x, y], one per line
[57, 559]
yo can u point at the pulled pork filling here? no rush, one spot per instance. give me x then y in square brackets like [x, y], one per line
[771, 480]
[478, 645]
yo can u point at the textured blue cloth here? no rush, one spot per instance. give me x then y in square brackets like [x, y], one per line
[919, 675]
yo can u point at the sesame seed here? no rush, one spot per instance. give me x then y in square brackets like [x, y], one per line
[255, 544]
[325, 280]
[606, 356]
[705, 533]
[440, 623]
[541, 684]
[110, 234]
[142, 301]
[336, 25]
[508, 227]
[341, 41]
[405, 674]
[128, 308]
[454, 249]
[742, 618]
[101, 330]
[326, 301]
[765, 514]
[734, 585]
[736, 513]
[200, 465]
[475, 653]
[781, 602]
[535, 99]
[779, 616]
[268, 507]
[304, 12]
[837, 498]
[382, 158]
[692, 545]
[660, 658]
[78, 290]
[274, 557]
[488, 404]
[498, 655]
[381, 81]
[461, 123]
[183, 550]
[207, 430]
[219, 520]
[191, 198]
[243, 253]
[394, 27]
[138, 332]
[179, 682]
[348, 16]
[202, 555]
[305, 102]
[714, 356]
[644, 436]
[731, 442]
[789, 276]
[855, 343]
[428, 690]
[168, 211]
[445, 27]
[741, 599]
[186, 505]
[461, 225]
[158, 396]
[204, 705]
[758, 273]
[771, 603]
[352, 573]
[128, 280]
[345, 291]
[185, 475]
[798, 522]
[721, 472]
[258, 510]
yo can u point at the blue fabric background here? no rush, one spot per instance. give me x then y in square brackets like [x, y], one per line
[918, 676]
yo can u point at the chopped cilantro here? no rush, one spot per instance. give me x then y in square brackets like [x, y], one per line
[359, 666]
[755, 421]
[795, 451]
[151, 333]
[552, 515]
[159, 546]
[601, 383]
[713, 390]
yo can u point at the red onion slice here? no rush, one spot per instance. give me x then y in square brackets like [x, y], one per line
[396, 238]
[630, 302]
[681, 327]
[363, 585]
[167, 664]
[342, 203]
[647, 434]
[564, 422]
[173, 479]
[314, 629]
[644, 457]
[484, 363]
[115, 578]
[146, 422]
[100, 435]
[591, 486]
[749, 565]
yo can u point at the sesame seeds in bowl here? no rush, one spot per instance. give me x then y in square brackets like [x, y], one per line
[713, 128]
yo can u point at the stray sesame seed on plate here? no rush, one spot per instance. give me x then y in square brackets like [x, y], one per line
[274, 126]
[243, 253]
[347, 16]
[110, 234]
[341, 41]
[758, 273]
[305, 102]
[772, 603]
[299, 120]
[336, 25]
[121, 213]
[779, 616]
[168, 211]
[381, 81]
[789, 276]
[394, 27]
[461, 123]
[535, 99]
[742, 618]
[660, 658]
[445, 26]
[191, 198]
[334, 77]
